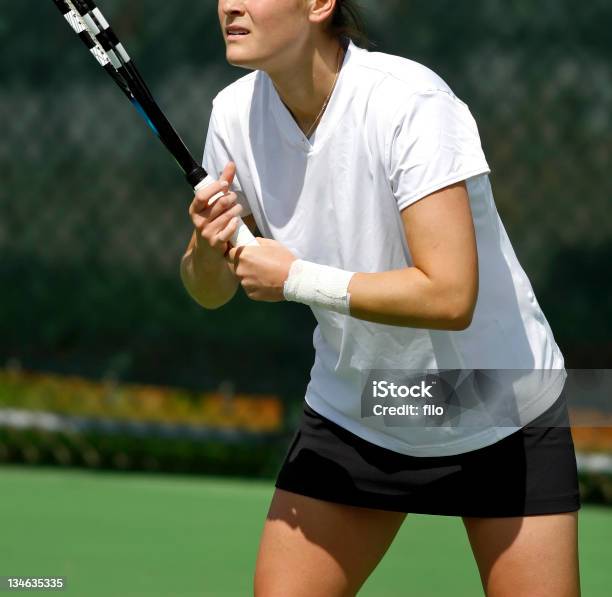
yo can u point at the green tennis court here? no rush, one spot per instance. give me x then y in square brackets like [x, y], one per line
[138, 534]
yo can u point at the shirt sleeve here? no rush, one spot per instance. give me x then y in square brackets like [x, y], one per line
[434, 143]
[216, 156]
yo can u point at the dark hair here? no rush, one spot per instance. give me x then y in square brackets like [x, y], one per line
[348, 23]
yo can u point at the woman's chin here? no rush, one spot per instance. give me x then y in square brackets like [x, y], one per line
[240, 58]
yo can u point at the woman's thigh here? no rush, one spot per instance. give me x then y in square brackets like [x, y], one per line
[314, 548]
[527, 556]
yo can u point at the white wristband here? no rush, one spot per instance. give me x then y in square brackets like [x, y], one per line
[318, 286]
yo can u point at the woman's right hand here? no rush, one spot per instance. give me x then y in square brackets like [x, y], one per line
[216, 219]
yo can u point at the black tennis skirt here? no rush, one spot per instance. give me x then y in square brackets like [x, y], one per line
[532, 471]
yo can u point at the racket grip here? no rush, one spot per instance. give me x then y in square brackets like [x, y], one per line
[242, 237]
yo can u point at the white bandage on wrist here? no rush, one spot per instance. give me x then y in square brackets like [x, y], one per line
[318, 286]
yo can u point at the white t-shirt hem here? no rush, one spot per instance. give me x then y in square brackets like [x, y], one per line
[474, 442]
[421, 194]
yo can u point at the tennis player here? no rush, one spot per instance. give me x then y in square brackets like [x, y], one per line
[365, 177]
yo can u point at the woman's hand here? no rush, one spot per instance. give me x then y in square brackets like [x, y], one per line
[262, 270]
[216, 221]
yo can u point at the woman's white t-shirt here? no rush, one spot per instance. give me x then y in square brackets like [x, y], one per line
[393, 133]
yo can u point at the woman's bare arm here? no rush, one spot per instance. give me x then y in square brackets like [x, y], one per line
[441, 290]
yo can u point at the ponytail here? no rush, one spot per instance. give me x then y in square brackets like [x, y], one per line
[348, 23]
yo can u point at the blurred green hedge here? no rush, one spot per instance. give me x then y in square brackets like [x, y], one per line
[131, 452]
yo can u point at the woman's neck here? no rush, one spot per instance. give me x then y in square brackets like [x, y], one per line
[305, 86]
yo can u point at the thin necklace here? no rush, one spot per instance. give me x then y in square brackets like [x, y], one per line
[328, 97]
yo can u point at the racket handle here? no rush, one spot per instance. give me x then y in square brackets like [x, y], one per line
[242, 237]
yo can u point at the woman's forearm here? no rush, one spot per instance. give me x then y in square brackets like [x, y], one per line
[207, 277]
[409, 298]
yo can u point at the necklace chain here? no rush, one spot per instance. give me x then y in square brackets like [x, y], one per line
[328, 97]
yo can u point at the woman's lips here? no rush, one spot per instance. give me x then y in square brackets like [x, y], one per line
[236, 32]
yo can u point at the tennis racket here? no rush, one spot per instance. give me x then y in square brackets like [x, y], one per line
[95, 32]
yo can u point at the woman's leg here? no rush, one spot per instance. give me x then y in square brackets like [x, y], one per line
[313, 548]
[527, 556]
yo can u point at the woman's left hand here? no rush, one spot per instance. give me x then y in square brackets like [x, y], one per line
[262, 270]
